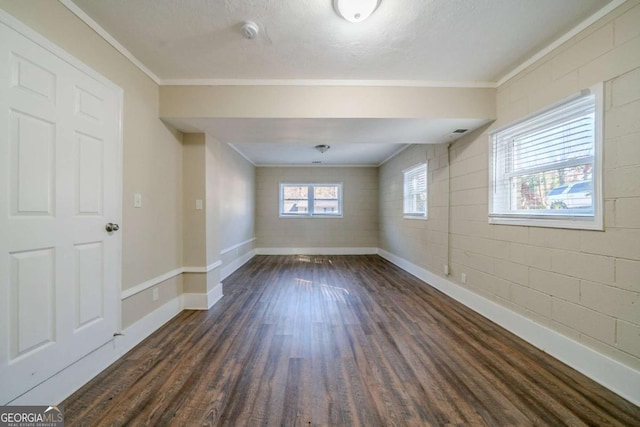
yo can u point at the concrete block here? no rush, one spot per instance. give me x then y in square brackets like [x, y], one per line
[516, 273]
[557, 285]
[627, 26]
[584, 266]
[555, 238]
[585, 320]
[530, 256]
[627, 212]
[614, 63]
[628, 274]
[584, 51]
[618, 303]
[626, 88]
[628, 337]
[532, 299]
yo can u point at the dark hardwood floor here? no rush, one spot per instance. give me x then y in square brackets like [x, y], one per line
[339, 340]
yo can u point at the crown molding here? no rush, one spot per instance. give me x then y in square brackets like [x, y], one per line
[237, 150]
[327, 82]
[69, 4]
[395, 153]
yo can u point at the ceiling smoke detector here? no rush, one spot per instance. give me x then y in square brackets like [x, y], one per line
[249, 30]
[322, 147]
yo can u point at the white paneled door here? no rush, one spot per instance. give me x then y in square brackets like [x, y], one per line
[59, 187]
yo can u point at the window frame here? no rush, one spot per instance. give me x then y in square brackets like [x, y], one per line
[544, 218]
[310, 200]
[415, 215]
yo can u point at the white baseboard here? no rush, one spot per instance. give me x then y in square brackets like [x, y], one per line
[228, 269]
[194, 301]
[214, 295]
[66, 382]
[619, 378]
[236, 246]
[316, 251]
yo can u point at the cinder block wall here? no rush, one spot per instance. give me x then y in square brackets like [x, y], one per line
[583, 284]
[422, 242]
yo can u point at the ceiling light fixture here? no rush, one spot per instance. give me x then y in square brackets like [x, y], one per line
[322, 147]
[355, 10]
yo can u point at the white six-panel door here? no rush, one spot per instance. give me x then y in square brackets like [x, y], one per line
[59, 187]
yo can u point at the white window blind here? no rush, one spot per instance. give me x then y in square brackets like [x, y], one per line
[415, 191]
[547, 166]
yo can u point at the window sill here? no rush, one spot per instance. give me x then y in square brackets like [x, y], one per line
[312, 216]
[423, 218]
[575, 223]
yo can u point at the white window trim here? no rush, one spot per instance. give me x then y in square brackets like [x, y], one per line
[310, 215]
[558, 221]
[425, 215]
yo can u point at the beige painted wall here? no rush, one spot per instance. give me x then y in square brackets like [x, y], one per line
[194, 244]
[194, 176]
[326, 102]
[357, 228]
[213, 165]
[224, 181]
[142, 303]
[237, 204]
[583, 284]
[152, 153]
[423, 242]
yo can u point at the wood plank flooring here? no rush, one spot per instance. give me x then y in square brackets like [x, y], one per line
[339, 340]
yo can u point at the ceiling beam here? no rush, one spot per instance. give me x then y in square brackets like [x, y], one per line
[326, 102]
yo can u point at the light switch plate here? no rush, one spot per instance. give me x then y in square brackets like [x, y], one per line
[199, 204]
[137, 200]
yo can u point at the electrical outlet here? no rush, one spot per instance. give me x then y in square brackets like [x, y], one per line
[155, 294]
[445, 269]
[463, 278]
[137, 200]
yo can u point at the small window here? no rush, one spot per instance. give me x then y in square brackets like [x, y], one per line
[546, 170]
[310, 200]
[415, 191]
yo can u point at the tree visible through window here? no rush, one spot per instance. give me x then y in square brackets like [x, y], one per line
[310, 200]
[545, 170]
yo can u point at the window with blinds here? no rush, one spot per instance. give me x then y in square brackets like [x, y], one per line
[546, 169]
[415, 191]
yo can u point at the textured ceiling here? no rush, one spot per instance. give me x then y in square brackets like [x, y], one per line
[455, 41]
[429, 40]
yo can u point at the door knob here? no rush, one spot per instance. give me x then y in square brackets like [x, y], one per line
[111, 227]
